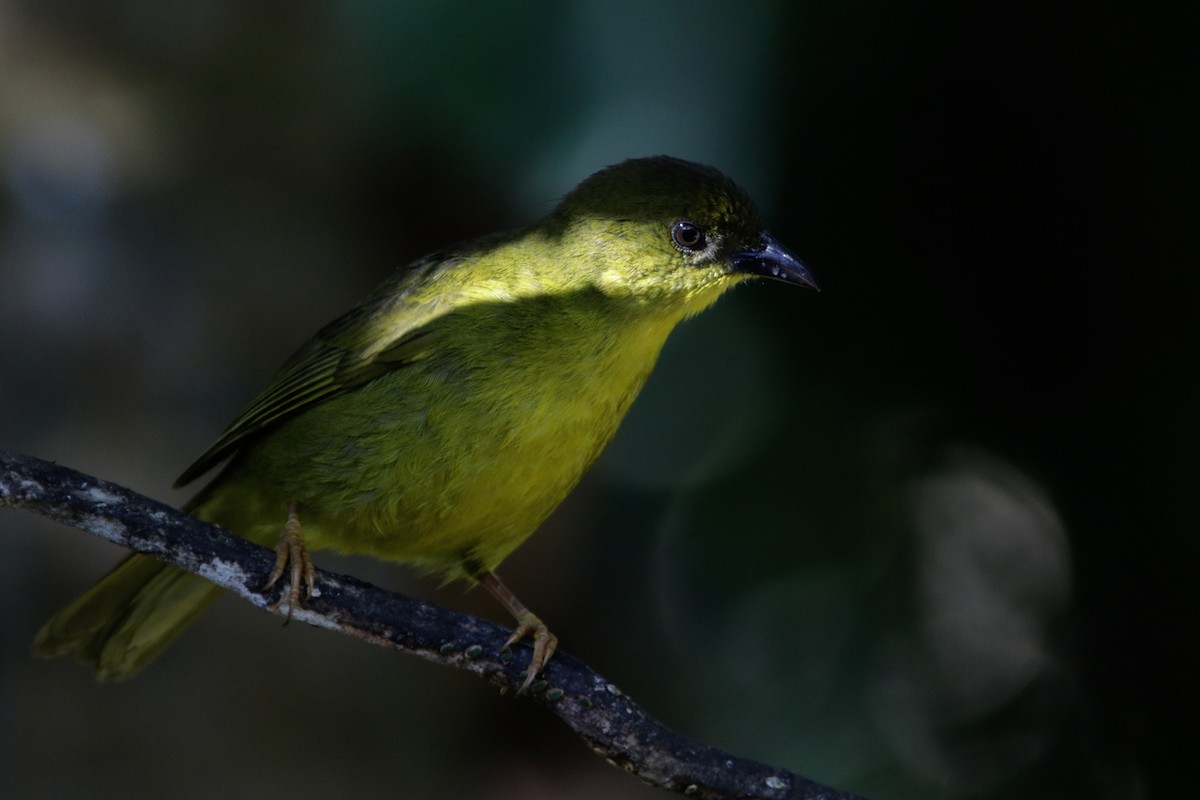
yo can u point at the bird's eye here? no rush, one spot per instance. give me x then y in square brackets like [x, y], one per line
[687, 236]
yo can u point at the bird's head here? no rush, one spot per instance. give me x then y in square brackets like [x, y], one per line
[666, 230]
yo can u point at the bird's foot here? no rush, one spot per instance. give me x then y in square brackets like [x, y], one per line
[528, 625]
[292, 557]
[544, 645]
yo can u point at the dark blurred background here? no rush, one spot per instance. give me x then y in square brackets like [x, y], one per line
[925, 534]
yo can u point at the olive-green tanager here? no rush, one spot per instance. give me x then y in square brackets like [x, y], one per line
[443, 418]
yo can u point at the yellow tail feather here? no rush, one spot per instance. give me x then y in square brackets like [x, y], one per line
[119, 625]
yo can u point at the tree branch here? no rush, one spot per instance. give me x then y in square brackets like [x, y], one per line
[612, 725]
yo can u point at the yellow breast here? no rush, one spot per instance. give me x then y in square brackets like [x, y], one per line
[451, 462]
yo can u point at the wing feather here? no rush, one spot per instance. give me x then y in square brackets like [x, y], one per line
[391, 329]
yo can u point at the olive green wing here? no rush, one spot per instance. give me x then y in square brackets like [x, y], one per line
[395, 327]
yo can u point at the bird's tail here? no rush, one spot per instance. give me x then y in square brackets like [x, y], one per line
[119, 625]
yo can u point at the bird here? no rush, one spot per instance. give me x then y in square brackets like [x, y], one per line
[441, 420]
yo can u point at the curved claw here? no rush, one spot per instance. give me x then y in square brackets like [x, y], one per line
[290, 552]
[544, 645]
[528, 624]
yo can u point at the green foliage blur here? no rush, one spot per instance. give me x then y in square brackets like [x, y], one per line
[925, 534]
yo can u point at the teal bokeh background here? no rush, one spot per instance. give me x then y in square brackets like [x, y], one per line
[927, 533]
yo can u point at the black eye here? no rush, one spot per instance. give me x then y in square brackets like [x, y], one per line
[687, 236]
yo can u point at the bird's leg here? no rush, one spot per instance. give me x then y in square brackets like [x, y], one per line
[291, 552]
[544, 642]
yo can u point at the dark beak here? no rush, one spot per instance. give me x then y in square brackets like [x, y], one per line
[772, 260]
